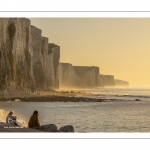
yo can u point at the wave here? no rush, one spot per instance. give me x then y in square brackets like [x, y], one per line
[20, 119]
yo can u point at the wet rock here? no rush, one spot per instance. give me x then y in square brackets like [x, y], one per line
[48, 128]
[17, 100]
[137, 100]
[67, 128]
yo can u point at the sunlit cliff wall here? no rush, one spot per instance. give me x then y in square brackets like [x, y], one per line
[38, 66]
[52, 67]
[86, 76]
[25, 63]
[78, 76]
[67, 76]
[106, 80]
[16, 54]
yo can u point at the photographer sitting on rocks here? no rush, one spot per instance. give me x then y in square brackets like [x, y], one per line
[34, 123]
[34, 120]
[11, 119]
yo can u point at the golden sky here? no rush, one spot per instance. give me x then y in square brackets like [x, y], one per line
[118, 46]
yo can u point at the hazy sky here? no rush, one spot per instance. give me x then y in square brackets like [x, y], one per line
[118, 46]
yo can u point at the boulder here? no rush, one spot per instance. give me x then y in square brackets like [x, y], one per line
[48, 128]
[67, 128]
[137, 99]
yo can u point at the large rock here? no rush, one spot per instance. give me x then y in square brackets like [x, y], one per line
[53, 128]
[48, 128]
[67, 128]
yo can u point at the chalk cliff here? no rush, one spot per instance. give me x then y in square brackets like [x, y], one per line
[52, 68]
[16, 54]
[106, 80]
[87, 77]
[78, 76]
[67, 76]
[121, 83]
[38, 66]
[26, 61]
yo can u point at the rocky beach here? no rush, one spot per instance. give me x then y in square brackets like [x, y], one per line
[98, 110]
[55, 96]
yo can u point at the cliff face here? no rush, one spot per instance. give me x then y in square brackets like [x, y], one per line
[106, 80]
[67, 76]
[16, 54]
[85, 76]
[38, 66]
[24, 57]
[97, 71]
[121, 83]
[53, 58]
[29, 63]
[78, 76]
[44, 54]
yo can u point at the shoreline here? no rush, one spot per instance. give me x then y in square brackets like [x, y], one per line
[56, 96]
[52, 99]
[59, 98]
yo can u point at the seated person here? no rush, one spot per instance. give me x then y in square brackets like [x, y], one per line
[11, 119]
[34, 120]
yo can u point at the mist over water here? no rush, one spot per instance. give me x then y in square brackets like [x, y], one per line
[121, 93]
[121, 116]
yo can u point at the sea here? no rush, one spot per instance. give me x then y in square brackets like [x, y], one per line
[124, 110]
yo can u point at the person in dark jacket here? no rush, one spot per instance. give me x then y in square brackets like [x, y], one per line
[34, 120]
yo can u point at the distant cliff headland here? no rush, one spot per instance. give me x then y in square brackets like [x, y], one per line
[30, 63]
